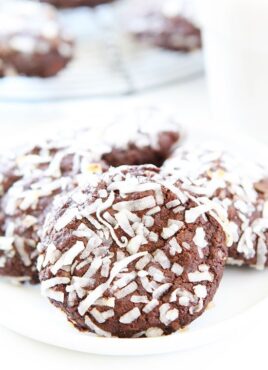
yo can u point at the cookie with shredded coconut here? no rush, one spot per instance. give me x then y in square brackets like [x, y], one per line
[76, 3]
[29, 186]
[140, 136]
[151, 137]
[55, 157]
[25, 207]
[122, 256]
[240, 187]
[164, 24]
[32, 42]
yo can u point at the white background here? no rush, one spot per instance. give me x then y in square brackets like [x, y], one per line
[242, 350]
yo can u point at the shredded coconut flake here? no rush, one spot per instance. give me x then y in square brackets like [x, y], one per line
[261, 254]
[106, 302]
[153, 237]
[192, 214]
[200, 276]
[51, 255]
[172, 228]
[55, 295]
[136, 205]
[172, 204]
[97, 293]
[130, 288]
[20, 246]
[185, 297]
[47, 284]
[123, 222]
[101, 317]
[200, 240]
[94, 267]
[156, 274]
[125, 279]
[150, 306]
[143, 262]
[200, 291]
[174, 247]
[68, 257]
[96, 329]
[68, 216]
[6, 243]
[153, 211]
[177, 269]
[130, 316]
[162, 289]
[139, 299]
[162, 259]
[154, 332]
[134, 244]
[168, 315]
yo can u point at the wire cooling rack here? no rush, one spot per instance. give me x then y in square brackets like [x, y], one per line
[107, 62]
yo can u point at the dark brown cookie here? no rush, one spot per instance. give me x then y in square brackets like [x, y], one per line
[30, 184]
[164, 25]
[25, 208]
[53, 157]
[76, 3]
[140, 137]
[32, 42]
[131, 255]
[239, 187]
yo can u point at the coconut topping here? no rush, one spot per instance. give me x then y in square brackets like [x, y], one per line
[236, 189]
[130, 316]
[111, 271]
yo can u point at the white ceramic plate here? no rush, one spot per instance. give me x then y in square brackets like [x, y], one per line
[241, 301]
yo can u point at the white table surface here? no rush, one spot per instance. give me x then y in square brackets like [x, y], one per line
[247, 350]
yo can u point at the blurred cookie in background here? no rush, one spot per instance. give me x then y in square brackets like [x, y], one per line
[166, 24]
[32, 42]
[76, 3]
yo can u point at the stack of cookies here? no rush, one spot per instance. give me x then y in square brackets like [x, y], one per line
[129, 230]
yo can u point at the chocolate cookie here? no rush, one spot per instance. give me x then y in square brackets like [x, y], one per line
[32, 42]
[164, 25]
[25, 208]
[43, 172]
[141, 136]
[76, 3]
[53, 157]
[131, 255]
[240, 187]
